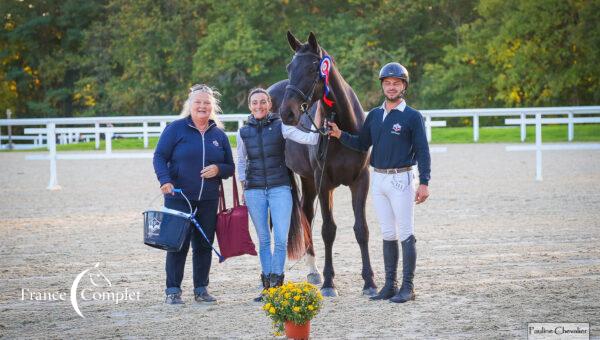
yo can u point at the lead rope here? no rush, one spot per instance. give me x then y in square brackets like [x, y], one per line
[193, 220]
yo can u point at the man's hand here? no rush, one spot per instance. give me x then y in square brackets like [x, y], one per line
[421, 194]
[167, 188]
[209, 171]
[334, 130]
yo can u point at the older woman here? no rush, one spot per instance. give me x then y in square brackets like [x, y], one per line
[193, 154]
[266, 182]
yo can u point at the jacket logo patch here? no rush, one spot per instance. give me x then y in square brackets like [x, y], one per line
[396, 129]
[215, 143]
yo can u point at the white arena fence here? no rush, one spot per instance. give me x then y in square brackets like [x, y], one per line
[538, 147]
[87, 128]
[72, 130]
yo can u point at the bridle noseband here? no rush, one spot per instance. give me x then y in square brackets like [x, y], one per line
[307, 99]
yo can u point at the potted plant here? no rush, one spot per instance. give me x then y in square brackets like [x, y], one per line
[291, 306]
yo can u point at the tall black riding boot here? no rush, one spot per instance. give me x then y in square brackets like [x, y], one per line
[409, 261]
[276, 280]
[390, 262]
[265, 283]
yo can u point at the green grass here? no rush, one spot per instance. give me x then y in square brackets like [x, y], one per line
[446, 135]
[117, 144]
[550, 133]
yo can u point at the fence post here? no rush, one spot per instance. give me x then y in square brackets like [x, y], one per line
[523, 127]
[163, 125]
[9, 128]
[428, 127]
[476, 128]
[97, 135]
[145, 133]
[108, 133]
[571, 127]
[51, 137]
[538, 146]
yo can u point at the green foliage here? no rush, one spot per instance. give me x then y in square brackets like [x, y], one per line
[41, 44]
[521, 53]
[138, 57]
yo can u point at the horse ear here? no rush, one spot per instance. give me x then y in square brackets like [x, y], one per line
[312, 41]
[294, 43]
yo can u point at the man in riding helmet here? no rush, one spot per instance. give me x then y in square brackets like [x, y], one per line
[397, 134]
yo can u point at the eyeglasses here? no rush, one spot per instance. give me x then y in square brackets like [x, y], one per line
[201, 88]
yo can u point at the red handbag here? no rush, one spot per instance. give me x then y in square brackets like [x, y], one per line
[232, 226]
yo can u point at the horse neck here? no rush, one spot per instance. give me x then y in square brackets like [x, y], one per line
[345, 103]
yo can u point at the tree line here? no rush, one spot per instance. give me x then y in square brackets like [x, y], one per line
[64, 58]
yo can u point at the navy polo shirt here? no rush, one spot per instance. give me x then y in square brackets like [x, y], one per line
[398, 140]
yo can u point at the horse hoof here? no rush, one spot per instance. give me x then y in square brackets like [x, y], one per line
[370, 291]
[329, 292]
[314, 278]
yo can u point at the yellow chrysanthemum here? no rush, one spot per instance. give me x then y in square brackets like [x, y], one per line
[296, 309]
[267, 306]
[297, 298]
[285, 303]
[288, 295]
[272, 310]
[311, 307]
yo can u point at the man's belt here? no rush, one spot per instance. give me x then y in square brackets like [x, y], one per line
[393, 171]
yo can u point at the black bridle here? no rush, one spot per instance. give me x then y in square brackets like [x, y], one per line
[308, 99]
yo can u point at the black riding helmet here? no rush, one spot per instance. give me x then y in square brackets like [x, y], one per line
[394, 70]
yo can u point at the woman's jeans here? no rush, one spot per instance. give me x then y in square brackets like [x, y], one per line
[206, 215]
[277, 201]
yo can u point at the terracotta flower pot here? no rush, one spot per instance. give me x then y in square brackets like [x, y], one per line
[297, 332]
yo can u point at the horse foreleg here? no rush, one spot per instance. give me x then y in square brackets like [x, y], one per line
[360, 189]
[328, 232]
[309, 193]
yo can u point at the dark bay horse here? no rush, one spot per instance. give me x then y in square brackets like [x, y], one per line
[302, 91]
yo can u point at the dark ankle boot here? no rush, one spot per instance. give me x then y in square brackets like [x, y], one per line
[409, 261]
[390, 262]
[276, 280]
[265, 283]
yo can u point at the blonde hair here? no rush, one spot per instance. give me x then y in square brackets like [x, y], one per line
[214, 100]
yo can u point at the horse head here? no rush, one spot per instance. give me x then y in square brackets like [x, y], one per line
[305, 85]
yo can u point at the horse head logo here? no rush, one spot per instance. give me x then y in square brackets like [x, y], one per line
[154, 227]
[97, 279]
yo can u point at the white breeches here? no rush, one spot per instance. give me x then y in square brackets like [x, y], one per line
[393, 196]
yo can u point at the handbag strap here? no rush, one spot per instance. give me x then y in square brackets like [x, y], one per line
[222, 205]
[236, 199]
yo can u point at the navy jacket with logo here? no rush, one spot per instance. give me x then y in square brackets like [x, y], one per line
[182, 152]
[398, 141]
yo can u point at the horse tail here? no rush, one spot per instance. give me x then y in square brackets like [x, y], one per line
[299, 236]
